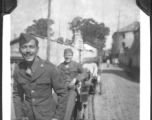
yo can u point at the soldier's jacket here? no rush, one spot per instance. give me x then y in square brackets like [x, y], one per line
[33, 95]
[74, 70]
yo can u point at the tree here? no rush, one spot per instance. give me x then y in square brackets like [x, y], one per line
[75, 24]
[68, 42]
[91, 30]
[39, 27]
[60, 40]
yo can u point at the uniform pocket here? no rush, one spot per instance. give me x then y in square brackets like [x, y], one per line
[43, 86]
[73, 73]
[22, 81]
[25, 110]
[43, 81]
[74, 69]
[47, 111]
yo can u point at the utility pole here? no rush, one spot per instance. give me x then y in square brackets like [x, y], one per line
[118, 29]
[118, 20]
[59, 27]
[103, 11]
[100, 49]
[48, 31]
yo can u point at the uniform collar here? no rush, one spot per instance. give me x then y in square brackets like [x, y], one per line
[38, 71]
[33, 64]
[70, 64]
[33, 67]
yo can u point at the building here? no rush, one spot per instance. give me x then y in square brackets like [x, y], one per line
[126, 45]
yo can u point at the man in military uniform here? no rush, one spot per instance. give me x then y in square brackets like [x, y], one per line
[34, 79]
[71, 72]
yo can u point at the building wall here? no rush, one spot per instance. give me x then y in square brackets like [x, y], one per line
[117, 44]
[42, 47]
[132, 55]
[129, 39]
[119, 38]
[56, 51]
[125, 59]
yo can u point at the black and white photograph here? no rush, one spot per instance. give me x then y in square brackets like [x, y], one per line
[75, 60]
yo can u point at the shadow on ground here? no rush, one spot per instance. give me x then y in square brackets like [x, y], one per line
[126, 74]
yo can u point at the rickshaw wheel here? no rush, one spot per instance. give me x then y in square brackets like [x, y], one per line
[100, 87]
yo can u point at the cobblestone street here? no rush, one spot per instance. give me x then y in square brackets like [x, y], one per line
[120, 96]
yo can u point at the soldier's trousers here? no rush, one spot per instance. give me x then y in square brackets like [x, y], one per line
[70, 104]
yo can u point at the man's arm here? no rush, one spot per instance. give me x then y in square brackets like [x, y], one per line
[62, 93]
[17, 97]
[82, 73]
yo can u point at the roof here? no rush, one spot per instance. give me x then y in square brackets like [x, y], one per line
[86, 42]
[130, 28]
[90, 60]
[14, 41]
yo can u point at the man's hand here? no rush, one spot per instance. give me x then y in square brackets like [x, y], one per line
[79, 87]
[72, 83]
[73, 80]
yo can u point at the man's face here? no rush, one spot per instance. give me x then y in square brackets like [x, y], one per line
[29, 51]
[68, 57]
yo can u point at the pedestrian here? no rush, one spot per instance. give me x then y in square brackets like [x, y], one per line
[34, 79]
[72, 72]
[108, 62]
[117, 62]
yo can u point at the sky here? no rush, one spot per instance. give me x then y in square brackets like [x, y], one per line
[63, 11]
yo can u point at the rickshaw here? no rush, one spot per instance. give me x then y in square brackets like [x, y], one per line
[86, 92]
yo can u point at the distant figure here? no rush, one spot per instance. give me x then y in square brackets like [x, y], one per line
[116, 62]
[113, 61]
[108, 62]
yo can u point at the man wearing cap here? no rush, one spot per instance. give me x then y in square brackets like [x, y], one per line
[34, 79]
[71, 72]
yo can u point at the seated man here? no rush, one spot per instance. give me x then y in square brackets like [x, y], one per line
[71, 72]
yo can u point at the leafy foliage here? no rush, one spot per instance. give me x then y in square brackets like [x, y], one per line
[60, 40]
[91, 30]
[39, 27]
[67, 41]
